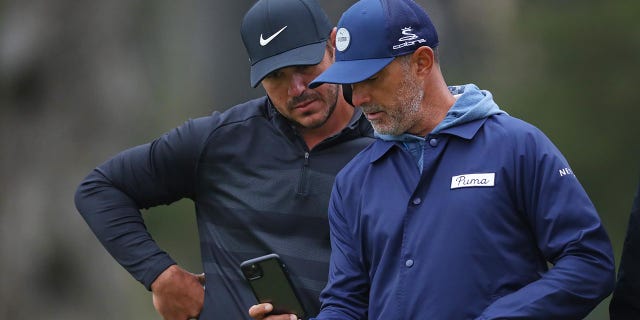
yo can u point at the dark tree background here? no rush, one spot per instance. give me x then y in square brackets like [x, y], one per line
[82, 80]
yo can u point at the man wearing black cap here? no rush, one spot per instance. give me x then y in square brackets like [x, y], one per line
[260, 175]
[457, 209]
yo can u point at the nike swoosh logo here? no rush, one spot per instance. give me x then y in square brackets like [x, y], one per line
[264, 42]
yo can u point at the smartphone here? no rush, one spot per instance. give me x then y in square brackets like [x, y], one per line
[270, 282]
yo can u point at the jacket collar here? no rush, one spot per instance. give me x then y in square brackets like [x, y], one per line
[464, 131]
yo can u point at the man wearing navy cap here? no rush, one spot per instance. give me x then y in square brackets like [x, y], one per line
[260, 175]
[458, 209]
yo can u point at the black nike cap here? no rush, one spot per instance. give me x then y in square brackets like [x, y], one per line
[283, 33]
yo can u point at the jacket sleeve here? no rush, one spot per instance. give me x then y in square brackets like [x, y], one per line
[569, 235]
[111, 196]
[346, 294]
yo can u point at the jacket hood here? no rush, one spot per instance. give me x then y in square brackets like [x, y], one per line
[471, 104]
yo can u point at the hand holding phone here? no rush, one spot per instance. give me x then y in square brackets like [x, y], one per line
[270, 282]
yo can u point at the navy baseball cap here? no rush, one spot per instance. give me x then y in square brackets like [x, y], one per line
[371, 33]
[283, 33]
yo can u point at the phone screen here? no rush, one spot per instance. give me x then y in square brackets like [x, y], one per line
[270, 282]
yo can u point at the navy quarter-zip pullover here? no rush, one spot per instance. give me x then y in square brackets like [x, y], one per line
[257, 189]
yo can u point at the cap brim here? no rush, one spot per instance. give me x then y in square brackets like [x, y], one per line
[305, 55]
[351, 71]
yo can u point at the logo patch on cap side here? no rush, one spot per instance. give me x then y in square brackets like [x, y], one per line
[408, 39]
[343, 39]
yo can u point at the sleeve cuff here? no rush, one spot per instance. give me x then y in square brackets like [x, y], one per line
[153, 273]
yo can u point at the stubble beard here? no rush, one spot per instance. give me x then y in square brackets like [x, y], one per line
[331, 101]
[406, 112]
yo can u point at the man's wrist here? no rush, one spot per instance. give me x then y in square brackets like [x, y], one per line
[158, 268]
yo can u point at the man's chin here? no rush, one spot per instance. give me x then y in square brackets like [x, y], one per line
[314, 125]
[310, 123]
[385, 130]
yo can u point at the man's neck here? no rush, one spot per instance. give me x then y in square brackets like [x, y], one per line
[438, 101]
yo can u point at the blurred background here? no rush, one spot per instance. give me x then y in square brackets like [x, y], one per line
[82, 80]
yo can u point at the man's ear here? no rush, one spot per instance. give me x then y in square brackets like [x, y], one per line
[424, 59]
[332, 37]
[331, 43]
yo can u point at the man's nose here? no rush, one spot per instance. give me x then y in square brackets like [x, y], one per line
[359, 95]
[297, 84]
